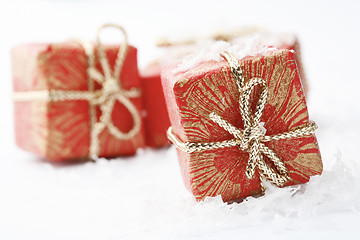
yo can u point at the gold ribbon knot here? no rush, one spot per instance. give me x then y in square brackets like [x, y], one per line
[251, 139]
[110, 92]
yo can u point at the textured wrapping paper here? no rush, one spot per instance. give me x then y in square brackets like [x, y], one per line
[156, 118]
[60, 130]
[209, 87]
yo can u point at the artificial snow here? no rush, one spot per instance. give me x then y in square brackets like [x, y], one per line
[240, 47]
[144, 196]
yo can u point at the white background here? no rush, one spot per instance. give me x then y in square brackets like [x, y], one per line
[144, 196]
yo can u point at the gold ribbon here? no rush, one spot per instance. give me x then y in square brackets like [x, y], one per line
[250, 139]
[106, 97]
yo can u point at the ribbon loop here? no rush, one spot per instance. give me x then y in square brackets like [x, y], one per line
[120, 55]
[253, 133]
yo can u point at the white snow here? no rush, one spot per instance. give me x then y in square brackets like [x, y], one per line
[143, 197]
[210, 50]
[206, 50]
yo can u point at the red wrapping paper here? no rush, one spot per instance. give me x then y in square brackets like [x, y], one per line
[156, 118]
[60, 131]
[209, 87]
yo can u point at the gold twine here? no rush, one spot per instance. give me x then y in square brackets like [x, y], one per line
[106, 97]
[250, 139]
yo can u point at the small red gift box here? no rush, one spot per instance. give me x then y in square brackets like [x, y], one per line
[74, 100]
[234, 126]
[156, 118]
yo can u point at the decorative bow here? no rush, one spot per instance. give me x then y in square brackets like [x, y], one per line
[110, 93]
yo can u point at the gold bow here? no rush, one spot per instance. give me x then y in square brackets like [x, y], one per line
[106, 97]
[251, 138]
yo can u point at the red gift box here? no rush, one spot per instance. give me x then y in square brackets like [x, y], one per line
[156, 118]
[214, 157]
[62, 113]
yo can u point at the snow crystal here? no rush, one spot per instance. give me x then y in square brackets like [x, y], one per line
[240, 47]
[210, 50]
